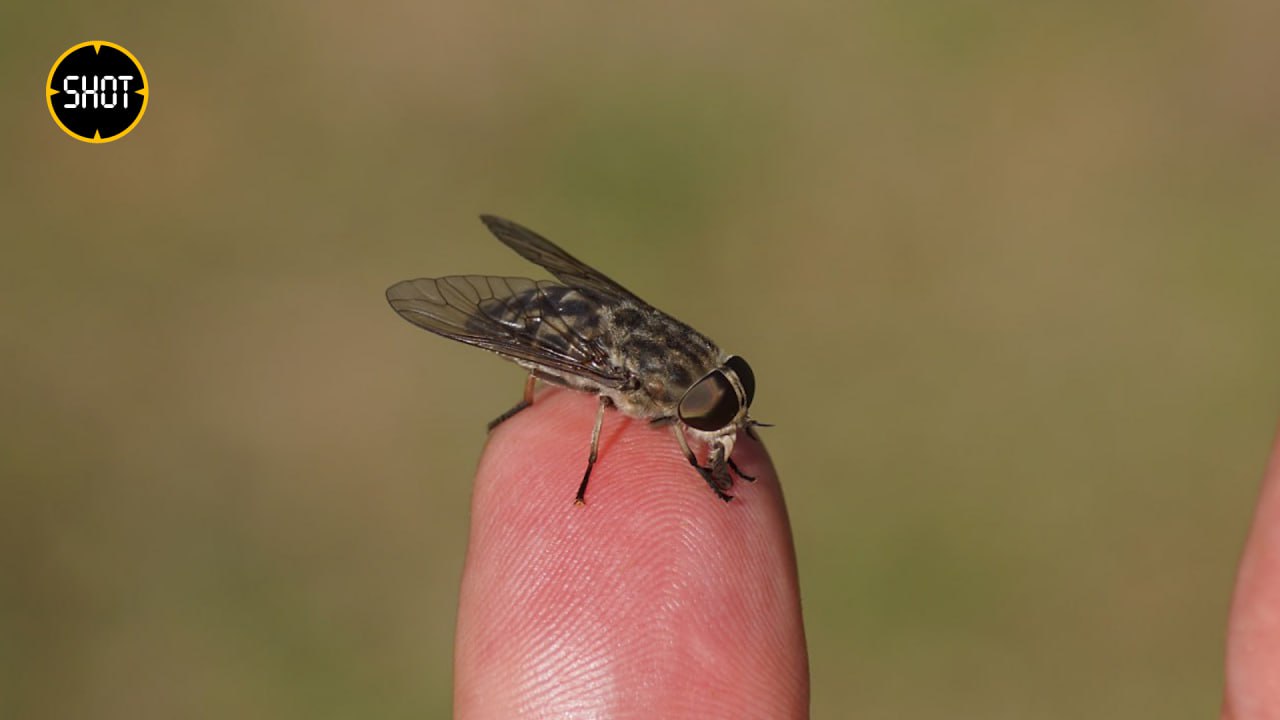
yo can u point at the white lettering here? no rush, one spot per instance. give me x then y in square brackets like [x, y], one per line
[66, 88]
[112, 103]
[124, 79]
[86, 91]
[105, 91]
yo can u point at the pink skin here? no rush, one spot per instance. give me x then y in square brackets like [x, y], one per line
[1253, 632]
[656, 599]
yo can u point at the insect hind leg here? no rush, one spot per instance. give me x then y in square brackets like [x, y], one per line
[581, 498]
[526, 401]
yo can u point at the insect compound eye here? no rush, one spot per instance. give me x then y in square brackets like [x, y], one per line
[710, 404]
[745, 376]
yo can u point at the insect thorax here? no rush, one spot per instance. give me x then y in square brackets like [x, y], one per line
[659, 356]
[664, 355]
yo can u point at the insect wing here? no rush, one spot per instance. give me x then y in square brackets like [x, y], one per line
[570, 270]
[537, 322]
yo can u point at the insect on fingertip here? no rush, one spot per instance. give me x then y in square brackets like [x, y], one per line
[586, 332]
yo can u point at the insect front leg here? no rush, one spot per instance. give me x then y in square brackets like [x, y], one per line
[718, 485]
[720, 466]
[744, 476]
[525, 402]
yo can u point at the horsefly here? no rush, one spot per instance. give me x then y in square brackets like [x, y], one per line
[589, 333]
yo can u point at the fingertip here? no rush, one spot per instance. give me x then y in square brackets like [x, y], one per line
[649, 591]
[1253, 632]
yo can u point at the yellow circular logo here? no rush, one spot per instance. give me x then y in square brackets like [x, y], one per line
[97, 91]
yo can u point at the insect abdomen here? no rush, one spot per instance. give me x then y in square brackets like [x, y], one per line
[553, 316]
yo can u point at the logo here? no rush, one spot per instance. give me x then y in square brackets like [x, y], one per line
[97, 92]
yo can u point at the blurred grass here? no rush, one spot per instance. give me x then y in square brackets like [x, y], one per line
[1005, 272]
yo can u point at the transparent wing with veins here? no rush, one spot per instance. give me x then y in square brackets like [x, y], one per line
[570, 270]
[537, 322]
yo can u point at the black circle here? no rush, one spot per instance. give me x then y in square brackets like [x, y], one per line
[102, 85]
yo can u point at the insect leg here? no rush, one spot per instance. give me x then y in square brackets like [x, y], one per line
[704, 472]
[744, 476]
[719, 469]
[595, 447]
[525, 402]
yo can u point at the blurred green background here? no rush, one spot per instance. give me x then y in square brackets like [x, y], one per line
[1006, 273]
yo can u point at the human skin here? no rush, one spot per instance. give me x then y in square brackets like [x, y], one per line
[658, 600]
[1253, 631]
[655, 599]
